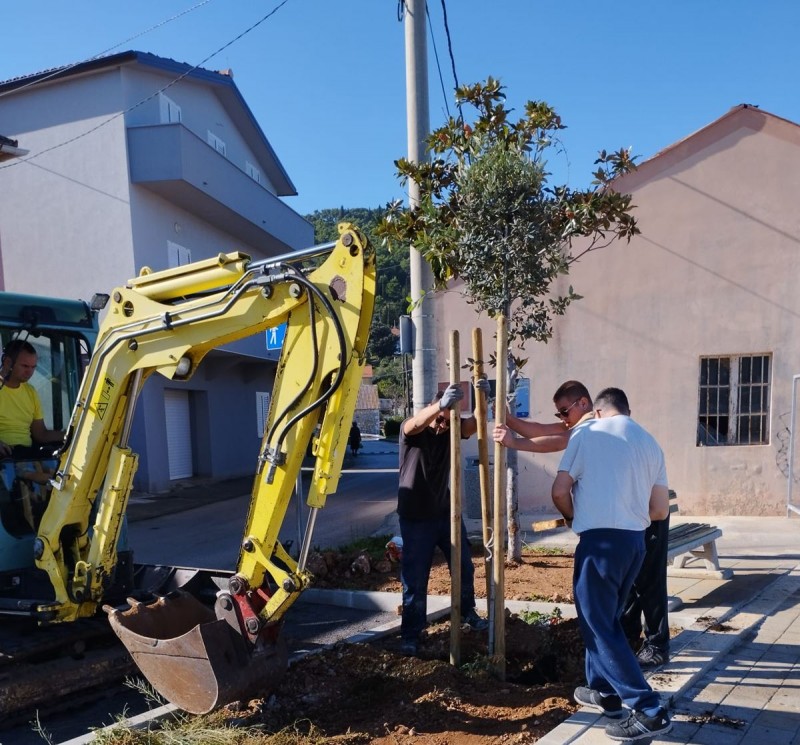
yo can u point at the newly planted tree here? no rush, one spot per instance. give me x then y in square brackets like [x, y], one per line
[487, 215]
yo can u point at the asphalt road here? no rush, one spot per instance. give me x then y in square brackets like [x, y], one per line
[208, 535]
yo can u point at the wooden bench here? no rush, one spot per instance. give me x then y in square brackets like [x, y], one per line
[693, 541]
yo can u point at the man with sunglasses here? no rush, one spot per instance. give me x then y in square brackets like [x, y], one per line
[612, 482]
[423, 504]
[573, 406]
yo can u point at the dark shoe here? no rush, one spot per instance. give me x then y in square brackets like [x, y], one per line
[610, 705]
[638, 726]
[650, 657]
[408, 649]
[474, 621]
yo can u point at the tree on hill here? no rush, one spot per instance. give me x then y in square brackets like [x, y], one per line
[392, 292]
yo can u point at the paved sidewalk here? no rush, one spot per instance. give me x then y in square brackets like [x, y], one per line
[734, 675]
[736, 681]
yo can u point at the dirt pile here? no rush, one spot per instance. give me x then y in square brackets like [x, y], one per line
[372, 694]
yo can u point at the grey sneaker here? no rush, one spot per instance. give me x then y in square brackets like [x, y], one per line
[649, 657]
[474, 621]
[610, 705]
[638, 726]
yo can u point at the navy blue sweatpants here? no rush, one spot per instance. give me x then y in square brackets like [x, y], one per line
[606, 564]
[420, 540]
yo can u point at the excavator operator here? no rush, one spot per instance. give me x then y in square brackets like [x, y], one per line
[23, 432]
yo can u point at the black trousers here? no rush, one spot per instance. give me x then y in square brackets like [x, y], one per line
[34, 452]
[648, 597]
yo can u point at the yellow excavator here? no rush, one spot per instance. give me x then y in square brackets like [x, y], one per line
[201, 655]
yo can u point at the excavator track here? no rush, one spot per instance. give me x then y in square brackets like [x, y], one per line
[54, 667]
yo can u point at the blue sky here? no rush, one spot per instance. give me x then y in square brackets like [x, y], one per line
[326, 79]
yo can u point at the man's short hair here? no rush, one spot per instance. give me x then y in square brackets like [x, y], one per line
[614, 398]
[572, 390]
[15, 346]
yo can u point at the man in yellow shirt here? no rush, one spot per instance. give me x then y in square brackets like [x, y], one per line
[21, 417]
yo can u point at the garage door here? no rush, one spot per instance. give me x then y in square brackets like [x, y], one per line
[179, 434]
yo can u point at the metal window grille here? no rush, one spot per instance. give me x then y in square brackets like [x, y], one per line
[733, 406]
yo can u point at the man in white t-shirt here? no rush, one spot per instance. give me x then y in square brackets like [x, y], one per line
[611, 482]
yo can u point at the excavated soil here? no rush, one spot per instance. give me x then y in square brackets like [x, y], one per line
[370, 693]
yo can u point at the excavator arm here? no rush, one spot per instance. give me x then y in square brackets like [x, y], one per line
[165, 323]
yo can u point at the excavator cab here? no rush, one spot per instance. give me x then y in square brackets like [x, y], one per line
[63, 333]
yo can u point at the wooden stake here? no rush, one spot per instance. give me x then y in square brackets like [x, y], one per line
[498, 642]
[483, 459]
[455, 508]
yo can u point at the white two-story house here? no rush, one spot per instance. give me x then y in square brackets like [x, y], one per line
[136, 160]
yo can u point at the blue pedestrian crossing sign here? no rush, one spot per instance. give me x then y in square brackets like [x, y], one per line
[275, 336]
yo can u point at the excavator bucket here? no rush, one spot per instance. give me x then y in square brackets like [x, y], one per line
[194, 660]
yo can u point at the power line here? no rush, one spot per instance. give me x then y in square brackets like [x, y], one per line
[436, 55]
[18, 161]
[452, 58]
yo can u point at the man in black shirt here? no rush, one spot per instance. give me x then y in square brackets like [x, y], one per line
[423, 504]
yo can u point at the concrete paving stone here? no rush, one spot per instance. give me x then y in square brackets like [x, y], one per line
[739, 713]
[772, 630]
[715, 734]
[776, 720]
[689, 706]
[730, 675]
[749, 694]
[713, 693]
[781, 656]
[758, 735]
[681, 732]
[787, 698]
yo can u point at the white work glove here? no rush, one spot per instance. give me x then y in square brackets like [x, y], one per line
[482, 386]
[452, 394]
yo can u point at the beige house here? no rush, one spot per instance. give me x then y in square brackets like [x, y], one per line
[697, 319]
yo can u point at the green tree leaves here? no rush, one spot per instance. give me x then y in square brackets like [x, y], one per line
[488, 216]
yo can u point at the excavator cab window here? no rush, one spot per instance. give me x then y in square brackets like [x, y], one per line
[24, 488]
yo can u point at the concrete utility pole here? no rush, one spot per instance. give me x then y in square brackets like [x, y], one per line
[423, 363]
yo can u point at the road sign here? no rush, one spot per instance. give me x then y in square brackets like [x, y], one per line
[275, 336]
[523, 397]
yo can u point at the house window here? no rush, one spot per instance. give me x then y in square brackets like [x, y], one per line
[734, 400]
[252, 171]
[177, 255]
[217, 143]
[170, 111]
[262, 412]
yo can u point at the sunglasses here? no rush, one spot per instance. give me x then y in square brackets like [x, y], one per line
[562, 413]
